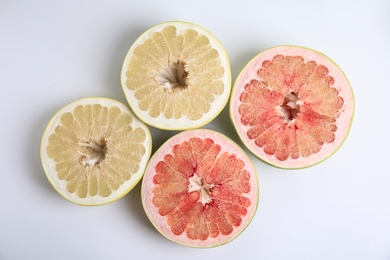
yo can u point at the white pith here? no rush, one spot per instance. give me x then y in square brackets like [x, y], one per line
[172, 76]
[290, 108]
[197, 184]
[94, 156]
[168, 75]
[343, 122]
[160, 222]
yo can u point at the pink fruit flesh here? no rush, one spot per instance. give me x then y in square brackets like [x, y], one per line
[287, 105]
[202, 193]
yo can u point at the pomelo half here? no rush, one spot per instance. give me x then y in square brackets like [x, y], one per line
[292, 106]
[200, 189]
[176, 76]
[94, 151]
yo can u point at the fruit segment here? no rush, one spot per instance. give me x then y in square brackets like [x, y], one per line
[201, 190]
[293, 109]
[94, 150]
[292, 103]
[175, 76]
[183, 68]
[83, 144]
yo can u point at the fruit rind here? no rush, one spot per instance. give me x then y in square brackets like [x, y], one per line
[348, 110]
[182, 123]
[49, 165]
[159, 221]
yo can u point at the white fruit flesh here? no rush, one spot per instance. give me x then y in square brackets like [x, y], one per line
[176, 76]
[200, 189]
[94, 151]
[292, 106]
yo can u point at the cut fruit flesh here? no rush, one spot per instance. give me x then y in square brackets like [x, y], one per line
[94, 151]
[200, 189]
[292, 106]
[176, 76]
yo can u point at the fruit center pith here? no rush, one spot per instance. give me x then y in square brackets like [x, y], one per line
[92, 152]
[290, 107]
[173, 76]
[197, 184]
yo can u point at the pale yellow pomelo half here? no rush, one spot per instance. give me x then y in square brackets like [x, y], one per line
[176, 76]
[94, 151]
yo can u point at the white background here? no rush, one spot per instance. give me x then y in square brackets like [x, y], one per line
[54, 52]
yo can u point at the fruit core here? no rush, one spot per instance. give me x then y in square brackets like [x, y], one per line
[197, 183]
[174, 76]
[290, 108]
[92, 152]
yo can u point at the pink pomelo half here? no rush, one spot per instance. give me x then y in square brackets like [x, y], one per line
[200, 189]
[292, 106]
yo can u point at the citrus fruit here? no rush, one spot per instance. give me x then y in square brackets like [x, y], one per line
[200, 189]
[94, 151]
[176, 76]
[292, 106]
